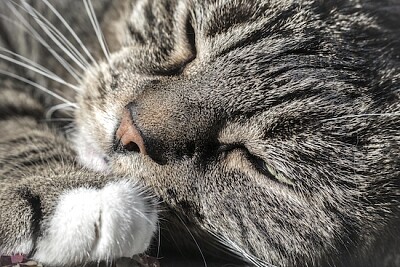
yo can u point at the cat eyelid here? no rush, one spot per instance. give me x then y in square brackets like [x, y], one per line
[191, 37]
[258, 163]
[223, 148]
[267, 170]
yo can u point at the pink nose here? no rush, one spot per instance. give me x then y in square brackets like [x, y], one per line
[129, 136]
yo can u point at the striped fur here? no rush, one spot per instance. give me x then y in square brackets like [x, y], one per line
[271, 127]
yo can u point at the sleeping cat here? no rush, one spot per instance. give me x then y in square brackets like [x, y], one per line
[265, 131]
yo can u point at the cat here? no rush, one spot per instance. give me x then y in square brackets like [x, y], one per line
[265, 131]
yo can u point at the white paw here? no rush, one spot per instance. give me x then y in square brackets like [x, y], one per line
[97, 224]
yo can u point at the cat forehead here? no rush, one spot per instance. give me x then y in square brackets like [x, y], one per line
[211, 18]
[249, 61]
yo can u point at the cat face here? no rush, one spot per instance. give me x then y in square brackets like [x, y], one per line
[246, 118]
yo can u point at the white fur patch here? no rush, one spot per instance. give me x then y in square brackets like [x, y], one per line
[91, 225]
[89, 155]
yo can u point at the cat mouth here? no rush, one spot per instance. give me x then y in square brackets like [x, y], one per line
[90, 155]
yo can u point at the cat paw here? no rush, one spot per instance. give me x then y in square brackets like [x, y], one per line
[97, 224]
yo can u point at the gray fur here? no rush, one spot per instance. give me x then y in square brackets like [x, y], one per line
[310, 88]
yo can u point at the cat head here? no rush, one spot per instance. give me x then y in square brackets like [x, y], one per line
[269, 125]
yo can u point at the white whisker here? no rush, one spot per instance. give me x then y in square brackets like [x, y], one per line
[16, 23]
[38, 69]
[75, 56]
[72, 71]
[237, 250]
[363, 115]
[159, 240]
[141, 214]
[38, 86]
[77, 39]
[69, 130]
[53, 109]
[97, 29]
[60, 36]
[194, 239]
[31, 62]
[27, 60]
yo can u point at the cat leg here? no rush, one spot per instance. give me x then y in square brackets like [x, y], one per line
[60, 214]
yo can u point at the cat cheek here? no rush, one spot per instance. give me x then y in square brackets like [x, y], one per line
[92, 224]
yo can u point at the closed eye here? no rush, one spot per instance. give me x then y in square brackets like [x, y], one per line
[268, 170]
[259, 164]
[191, 42]
[190, 54]
[191, 38]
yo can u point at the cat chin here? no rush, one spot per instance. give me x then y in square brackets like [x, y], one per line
[97, 224]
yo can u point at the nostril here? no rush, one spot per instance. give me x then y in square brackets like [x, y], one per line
[131, 147]
[128, 137]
